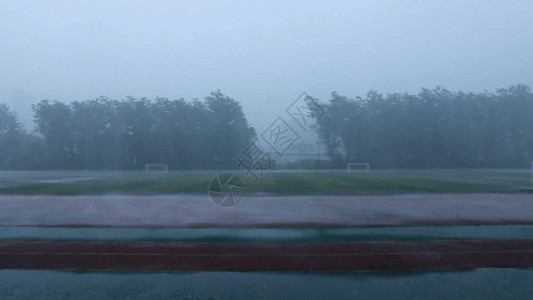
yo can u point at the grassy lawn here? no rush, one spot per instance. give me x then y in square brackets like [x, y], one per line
[273, 183]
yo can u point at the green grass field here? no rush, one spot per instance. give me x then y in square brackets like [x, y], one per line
[378, 182]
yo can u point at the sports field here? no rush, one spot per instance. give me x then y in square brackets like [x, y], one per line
[331, 182]
[380, 220]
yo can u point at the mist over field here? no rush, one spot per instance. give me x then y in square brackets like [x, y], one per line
[301, 85]
[266, 149]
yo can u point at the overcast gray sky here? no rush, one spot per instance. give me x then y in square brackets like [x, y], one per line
[262, 53]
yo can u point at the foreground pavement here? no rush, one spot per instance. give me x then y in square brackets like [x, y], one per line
[462, 284]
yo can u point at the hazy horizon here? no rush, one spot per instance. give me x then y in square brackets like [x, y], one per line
[263, 54]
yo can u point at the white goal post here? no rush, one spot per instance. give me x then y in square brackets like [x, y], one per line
[358, 167]
[156, 168]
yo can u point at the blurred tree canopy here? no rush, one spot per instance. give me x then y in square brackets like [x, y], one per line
[434, 129]
[110, 134]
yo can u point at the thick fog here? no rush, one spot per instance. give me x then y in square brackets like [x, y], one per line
[261, 53]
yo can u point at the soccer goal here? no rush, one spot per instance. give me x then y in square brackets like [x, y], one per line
[156, 168]
[358, 167]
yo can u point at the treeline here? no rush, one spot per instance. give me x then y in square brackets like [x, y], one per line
[111, 134]
[433, 129]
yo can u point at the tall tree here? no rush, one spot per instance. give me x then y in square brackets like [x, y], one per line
[54, 121]
[228, 129]
[10, 137]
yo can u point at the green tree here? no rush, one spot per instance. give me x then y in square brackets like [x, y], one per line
[10, 137]
[228, 130]
[54, 121]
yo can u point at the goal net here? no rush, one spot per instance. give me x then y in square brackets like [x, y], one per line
[156, 168]
[358, 167]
